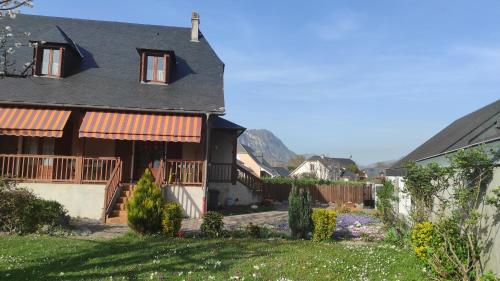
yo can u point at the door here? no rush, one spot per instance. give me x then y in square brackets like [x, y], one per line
[148, 155]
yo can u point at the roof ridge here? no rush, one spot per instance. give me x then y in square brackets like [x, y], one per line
[105, 21]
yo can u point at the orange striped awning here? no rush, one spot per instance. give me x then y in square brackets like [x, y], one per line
[141, 127]
[33, 122]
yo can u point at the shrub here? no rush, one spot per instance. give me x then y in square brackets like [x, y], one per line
[253, 230]
[385, 200]
[145, 209]
[52, 213]
[212, 225]
[23, 212]
[299, 212]
[172, 219]
[398, 234]
[422, 238]
[323, 224]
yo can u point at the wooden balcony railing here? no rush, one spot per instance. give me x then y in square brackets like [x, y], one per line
[221, 172]
[54, 168]
[183, 172]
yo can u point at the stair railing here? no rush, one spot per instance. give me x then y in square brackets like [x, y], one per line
[249, 180]
[112, 188]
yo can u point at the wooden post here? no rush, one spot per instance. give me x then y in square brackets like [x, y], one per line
[233, 164]
[79, 169]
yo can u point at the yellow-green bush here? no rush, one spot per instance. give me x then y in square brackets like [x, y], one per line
[422, 236]
[145, 209]
[324, 221]
[172, 219]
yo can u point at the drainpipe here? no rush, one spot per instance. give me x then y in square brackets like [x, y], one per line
[205, 167]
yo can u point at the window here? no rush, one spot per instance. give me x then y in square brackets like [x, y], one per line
[51, 62]
[156, 68]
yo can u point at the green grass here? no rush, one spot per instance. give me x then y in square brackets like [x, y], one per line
[155, 258]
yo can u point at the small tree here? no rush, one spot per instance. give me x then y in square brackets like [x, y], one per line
[385, 200]
[145, 209]
[453, 196]
[299, 212]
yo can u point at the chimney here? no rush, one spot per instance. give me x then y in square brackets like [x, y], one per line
[195, 29]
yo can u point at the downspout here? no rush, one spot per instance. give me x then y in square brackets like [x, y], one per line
[205, 166]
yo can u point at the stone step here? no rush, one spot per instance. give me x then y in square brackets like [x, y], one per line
[118, 213]
[120, 206]
[116, 220]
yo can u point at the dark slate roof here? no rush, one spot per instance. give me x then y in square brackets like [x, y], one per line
[332, 162]
[282, 171]
[109, 73]
[477, 127]
[224, 124]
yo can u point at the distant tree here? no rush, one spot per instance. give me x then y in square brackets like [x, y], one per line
[352, 168]
[10, 40]
[294, 162]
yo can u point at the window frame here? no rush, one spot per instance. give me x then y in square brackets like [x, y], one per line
[50, 70]
[144, 67]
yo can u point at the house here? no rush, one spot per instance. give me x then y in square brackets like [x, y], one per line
[326, 168]
[479, 128]
[256, 164]
[106, 100]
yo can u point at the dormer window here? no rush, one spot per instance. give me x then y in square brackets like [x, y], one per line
[51, 62]
[156, 66]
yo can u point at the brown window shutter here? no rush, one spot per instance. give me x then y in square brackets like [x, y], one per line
[142, 72]
[166, 66]
[37, 66]
[61, 62]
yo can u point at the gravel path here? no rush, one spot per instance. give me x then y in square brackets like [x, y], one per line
[349, 226]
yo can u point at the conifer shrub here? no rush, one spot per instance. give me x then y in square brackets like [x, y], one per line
[299, 212]
[324, 221]
[172, 219]
[145, 209]
[213, 224]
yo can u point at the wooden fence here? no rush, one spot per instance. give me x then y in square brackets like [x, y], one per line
[337, 193]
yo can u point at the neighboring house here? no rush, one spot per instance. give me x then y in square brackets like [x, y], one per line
[481, 127]
[326, 168]
[256, 164]
[107, 100]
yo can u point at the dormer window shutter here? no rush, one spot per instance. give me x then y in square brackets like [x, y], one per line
[61, 62]
[37, 69]
[166, 68]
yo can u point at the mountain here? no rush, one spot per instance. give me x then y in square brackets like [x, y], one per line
[266, 143]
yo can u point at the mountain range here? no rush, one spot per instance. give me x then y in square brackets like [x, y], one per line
[265, 143]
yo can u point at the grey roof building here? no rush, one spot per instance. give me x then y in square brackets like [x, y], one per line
[480, 126]
[107, 74]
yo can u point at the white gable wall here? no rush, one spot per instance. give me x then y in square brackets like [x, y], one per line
[315, 168]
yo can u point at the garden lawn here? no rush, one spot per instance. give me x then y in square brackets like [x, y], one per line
[156, 258]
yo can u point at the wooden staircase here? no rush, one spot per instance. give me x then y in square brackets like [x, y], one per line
[119, 214]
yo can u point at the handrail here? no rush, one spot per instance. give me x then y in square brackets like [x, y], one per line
[111, 189]
[249, 180]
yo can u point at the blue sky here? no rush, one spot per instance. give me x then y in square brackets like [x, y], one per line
[371, 79]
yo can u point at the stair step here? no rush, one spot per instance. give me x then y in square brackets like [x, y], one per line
[118, 213]
[120, 206]
[116, 220]
[122, 200]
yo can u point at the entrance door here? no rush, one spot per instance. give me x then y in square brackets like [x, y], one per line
[148, 155]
